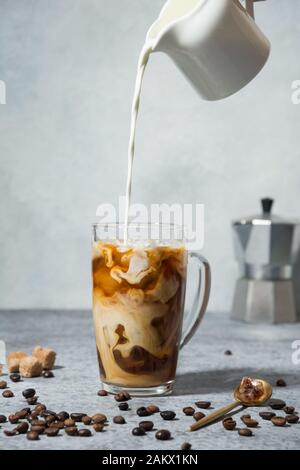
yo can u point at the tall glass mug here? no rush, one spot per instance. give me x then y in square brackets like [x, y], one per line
[138, 305]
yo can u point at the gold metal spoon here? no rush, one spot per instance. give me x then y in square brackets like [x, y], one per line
[241, 399]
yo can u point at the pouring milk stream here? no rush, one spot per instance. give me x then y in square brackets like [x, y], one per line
[216, 44]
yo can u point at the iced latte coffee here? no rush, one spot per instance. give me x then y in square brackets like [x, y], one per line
[138, 301]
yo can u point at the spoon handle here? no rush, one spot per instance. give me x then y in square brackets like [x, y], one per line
[214, 415]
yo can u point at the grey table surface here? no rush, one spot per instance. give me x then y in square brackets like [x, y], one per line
[204, 373]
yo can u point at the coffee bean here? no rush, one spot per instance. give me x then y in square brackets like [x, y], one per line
[99, 418]
[46, 413]
[276, 404]
[98, 427]
[102, 393]
[63, 415]
[123, 406]
[69, 422]
[84, 433]
[32, 436]
[50, 419]
[163, 435]
[146, 425]
[86, 420]
[10, 433]
[189, 410]
[38, 429]
[122, 396]
[3, 384]
[292, 419]
[51, 432]
[71, 430]
[15, 377]
[7, 394]
[38, 422]
[281, 383]
[167, 415]
[289, 410]
[27, 409]
[57, 424]
[138, 431]
[229, 424]
[77, 417]
[198, 415]
[28, 393]
[278, 421]
[33, 415]
[228, 352]
[22, 428]
[251, 423]
[142, 411]
[48, 374]
[119, 420]
[13, 419]
[186, 446]
[3, 419]
[245, 432]
[22, 414]
[267, 415]
[243, 417]
[152, 409]
[32, 400]
[203, 404]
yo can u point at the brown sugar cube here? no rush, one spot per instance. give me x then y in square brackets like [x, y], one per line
[13, 360]
[30, 367]
[45, 355]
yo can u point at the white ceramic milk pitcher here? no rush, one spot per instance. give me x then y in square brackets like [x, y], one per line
[216, 43]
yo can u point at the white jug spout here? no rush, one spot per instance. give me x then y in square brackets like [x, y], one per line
[217, 45]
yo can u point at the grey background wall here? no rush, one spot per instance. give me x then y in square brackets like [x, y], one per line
[69, 68]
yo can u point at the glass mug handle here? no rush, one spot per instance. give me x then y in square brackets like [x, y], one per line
[200, 302]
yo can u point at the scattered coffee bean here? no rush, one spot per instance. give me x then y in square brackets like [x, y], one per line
[99, 418]
[33, 415]
[122, 396]
[28, 393]
[15, 377]
[146, 425]
[163, 435]
[48, 374]
[22, 414]
[152, 409]
[22, 428]
[251, 423]
[267, 415]
[229, 424]
[71, 430]
[198, 415]
[32, 436]
[32, 400]
[142, 411]
[186, 446]
[3, 419]
[243, 417]
[189, 410]
[102, 393]
[276, 404]
[57, 424]
[3, 384]
[138, 431]
[77, 417]
[50, 419]
[63, 415]
[98, 427]
[46, 413]
[84, 433]
[292, 419]
[13, 419]
[51, 432]
[38, 422]
[69, 422]
[203, 404]
[289, 410]
[7, 394]
[27, 409]
[40, 408]
[86, 420]
[38, 429]
[167, 415]
[123, 406]
[228, 352]
[278, 421]
[245, 432]
[10, 433]
[119, 420]
[281, 383]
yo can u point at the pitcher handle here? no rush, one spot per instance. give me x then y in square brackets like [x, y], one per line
[200, 302]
